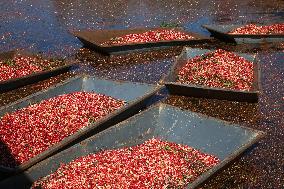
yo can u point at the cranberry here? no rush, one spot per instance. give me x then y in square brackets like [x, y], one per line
[22, 66]
[220, 69]
[149, 36]
[259, 30]
[32, 130]
[153, 164]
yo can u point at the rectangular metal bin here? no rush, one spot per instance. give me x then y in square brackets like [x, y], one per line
[225, 140]
[221, 32]
[93, 39]
[177, 88]
[136, 96]
[32, 78]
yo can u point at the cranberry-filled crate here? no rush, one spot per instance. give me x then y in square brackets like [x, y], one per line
[248, 33]
[216, 74]
[122, 41]
[19, 68]
[162, 146]
[46, 122]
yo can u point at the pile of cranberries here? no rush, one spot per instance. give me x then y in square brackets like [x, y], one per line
[153, 164]
[32, 130]
[149, 36]
[221, 69]
[21, 66]
[259, 30]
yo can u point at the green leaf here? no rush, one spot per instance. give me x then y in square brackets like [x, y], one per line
[169, 25]
[201, 79]
[167, 147]
[216, 61]
[9, 62]
[114, 39]
[205, 56]
[195, 68]
[92, 120]
[228, 83]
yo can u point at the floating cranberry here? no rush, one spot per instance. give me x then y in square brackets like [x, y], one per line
[32, 130]
[220, 69]
[153, 164]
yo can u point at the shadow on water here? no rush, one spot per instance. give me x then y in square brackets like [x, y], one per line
[7, 160]
[11, 177]
[146, 66]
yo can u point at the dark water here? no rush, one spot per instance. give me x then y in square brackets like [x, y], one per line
[44, 26]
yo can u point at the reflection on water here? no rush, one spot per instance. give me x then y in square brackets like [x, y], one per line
[43, 25]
